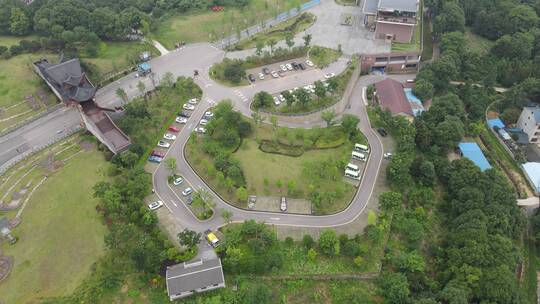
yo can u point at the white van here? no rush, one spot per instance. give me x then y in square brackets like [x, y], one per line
[361, 148]
[352, 167]
[358, 156]
[352, 174]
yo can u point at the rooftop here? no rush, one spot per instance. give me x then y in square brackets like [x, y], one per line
[370, 6]
[392, 97]
[533, 174]
[398, 5]
[535, 111]
[183, 279]
[472, 151]
[496, 122]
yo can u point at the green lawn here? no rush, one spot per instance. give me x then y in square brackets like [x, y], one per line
[413, 46]
[61, 234]
[293, 26]
[476, 42]
[12, 40]
[322, 56]
[211, 26]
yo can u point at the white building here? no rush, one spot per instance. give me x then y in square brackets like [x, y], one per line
[529, 122]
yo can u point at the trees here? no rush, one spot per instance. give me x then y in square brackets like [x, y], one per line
[170, 163]
[142, 89]
[394, 287]
[19, 22]
[289, 97]
[241, 194]
[226, 215]
[390, 200]
[262, 100]
[349, 124]
[189, 238]
[307, 40]
[271, 44]
[450, 19]
[423, 89]
[121, 93]
[234, 72]
[302, 96]
[329, 242]
[328, 117]
[289, 40]
[259, 46]
[320, 89]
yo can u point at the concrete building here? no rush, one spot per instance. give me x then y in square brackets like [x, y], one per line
[393, 20]
[186, 279]
[70, 84]
[529, 122]
[532, 172]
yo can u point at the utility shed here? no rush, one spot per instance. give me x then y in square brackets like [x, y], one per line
[473, 152]
[186, 279]
[532, 172]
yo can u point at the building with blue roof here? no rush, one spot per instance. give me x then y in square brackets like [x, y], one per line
[532, 172]
[472, 151]
[496, 122]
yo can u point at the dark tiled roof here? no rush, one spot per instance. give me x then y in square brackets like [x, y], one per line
[392, 97]
[187, 277]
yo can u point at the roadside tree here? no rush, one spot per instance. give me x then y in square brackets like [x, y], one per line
[189, 238]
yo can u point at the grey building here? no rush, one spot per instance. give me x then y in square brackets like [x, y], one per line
[186, 279]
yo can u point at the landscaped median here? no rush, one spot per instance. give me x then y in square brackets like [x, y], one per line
[239, 157]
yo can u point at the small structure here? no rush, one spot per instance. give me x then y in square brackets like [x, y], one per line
[496, 122]
[145, 56]
[144, 69]
[532, 172]
[186, 279]
[472, 151]
[393, 20]
[392, 96]
[529, 122]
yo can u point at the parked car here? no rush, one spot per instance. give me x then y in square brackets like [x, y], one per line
[387, 155]
[275, 74]
[208, 114]
[309, 63]
[178, 180]
[173, 129]
[261, 76]
[188, 106]
[211, 238]
[283, 67]
[187, 191]
[281, 73]
[189, 200]
[199, 130]
[295, 65]
[301, 66]
[169, 136]
[251, 78]
[181, 120]
[184, 114]
[276, 101]
[266, 71]
[158, 153]
[281, 98]
[382, 132]
[155, 205]
[329, 75]
[203, 122]
[289, 67]
[283, 205]
[163, 144]
[154, 159]
[193, 101]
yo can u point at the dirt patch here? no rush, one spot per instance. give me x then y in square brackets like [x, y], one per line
[273, 203]
[6, 264]
[87, 145]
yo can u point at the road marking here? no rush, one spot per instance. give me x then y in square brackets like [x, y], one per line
[174, 204]
[274, 218]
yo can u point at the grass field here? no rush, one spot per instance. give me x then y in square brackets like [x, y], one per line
[322, 56]
[12, 40]
[60, 236]
[476, 42]
[211, 26]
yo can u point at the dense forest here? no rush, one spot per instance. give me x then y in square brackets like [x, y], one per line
[457, 231]
[79, 24]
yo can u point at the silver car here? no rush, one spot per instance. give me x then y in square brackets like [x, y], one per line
[283, 205]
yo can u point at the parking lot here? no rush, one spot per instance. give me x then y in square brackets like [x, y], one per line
[359, 163]
[272, 203]
[281, 69]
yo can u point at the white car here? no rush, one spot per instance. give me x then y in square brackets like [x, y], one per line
[283, 205]
[261, 76]
[177, 181]
[163, 144]
[208, 114]
[188, 106]
[281, 98]
[193, 101]
[276, 101]
[199, 130]
[155, 205]
[387, 155]
[283, 67]
[187, 191]
[329, 75]
[289, 67]
[203, 122]
[181, 120]
[169, 136]
[308, 62]
[275, 74]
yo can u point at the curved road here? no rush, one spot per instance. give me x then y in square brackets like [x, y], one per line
[184, 64]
